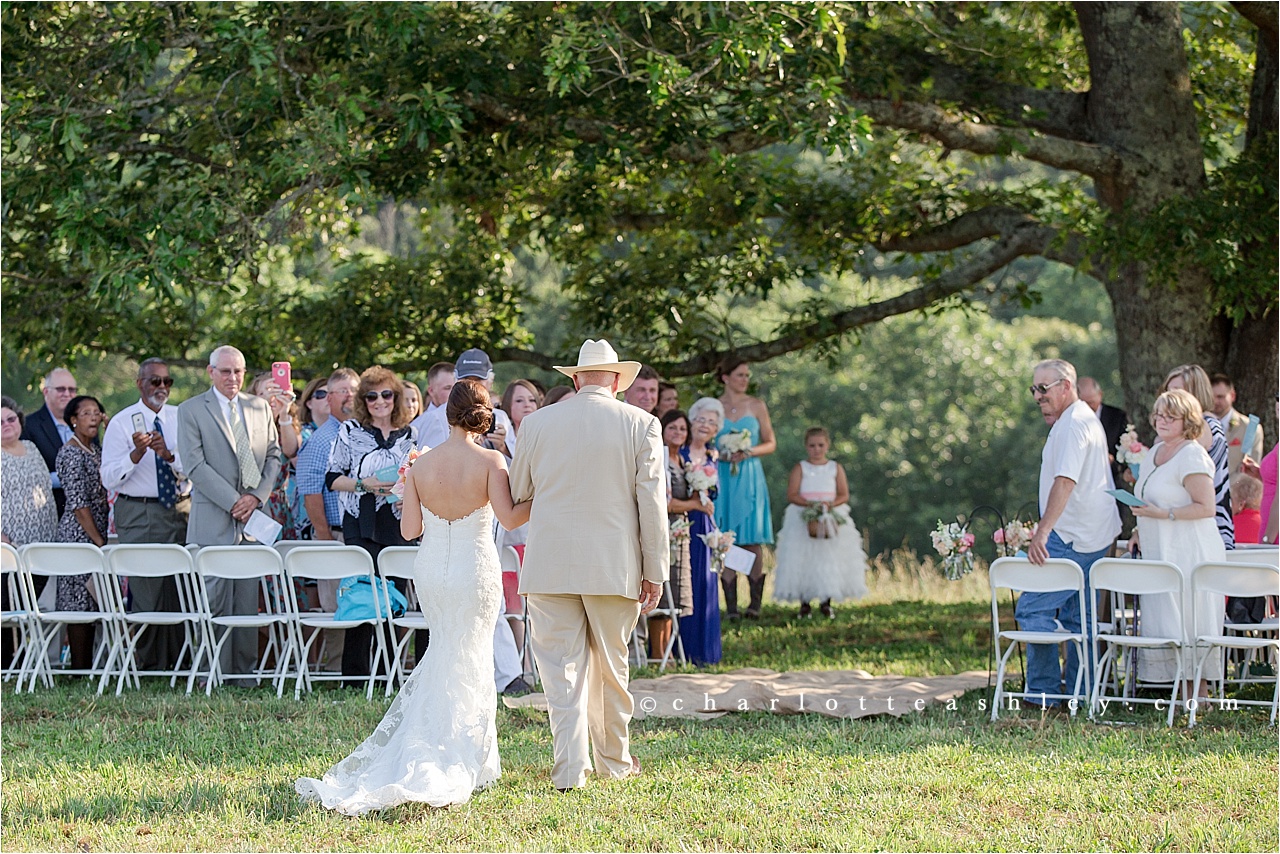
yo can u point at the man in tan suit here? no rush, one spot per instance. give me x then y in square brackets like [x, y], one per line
[1234, 424]
[596, 559]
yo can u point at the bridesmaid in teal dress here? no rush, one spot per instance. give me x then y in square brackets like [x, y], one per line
[743, 505]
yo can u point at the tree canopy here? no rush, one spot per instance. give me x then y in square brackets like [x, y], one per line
[182, 174]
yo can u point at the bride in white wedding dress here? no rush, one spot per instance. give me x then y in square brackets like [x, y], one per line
[437, 743]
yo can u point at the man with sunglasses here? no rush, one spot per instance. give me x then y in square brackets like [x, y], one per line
[46, 428]
[153, 500]
[1078, 520]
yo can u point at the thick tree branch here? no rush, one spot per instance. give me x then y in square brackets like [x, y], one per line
[955, 131]
[1024, 240]
[963, 230]
[1264, 16]
[1053, 111]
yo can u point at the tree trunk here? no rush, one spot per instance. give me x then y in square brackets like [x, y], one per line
[1253, 355]
[1140, 104]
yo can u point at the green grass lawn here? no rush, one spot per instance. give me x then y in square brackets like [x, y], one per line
[157, 771]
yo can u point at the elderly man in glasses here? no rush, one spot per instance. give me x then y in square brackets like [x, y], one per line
[46, 428]
[1078, 519]
[140, 462]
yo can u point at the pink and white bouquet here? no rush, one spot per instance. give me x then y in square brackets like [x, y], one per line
[398, 489]
[733, 442]
[955, 544]
[1130, 451]
[679, 530]
[702, 477]
[719, 543]
[1014, 537]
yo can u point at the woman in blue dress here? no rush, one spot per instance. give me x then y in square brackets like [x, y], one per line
[743, 506]
[700, 631]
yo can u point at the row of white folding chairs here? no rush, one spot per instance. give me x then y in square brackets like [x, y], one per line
[205, 633]
[1245, 573]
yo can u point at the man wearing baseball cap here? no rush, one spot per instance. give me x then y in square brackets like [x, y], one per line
[472, 363]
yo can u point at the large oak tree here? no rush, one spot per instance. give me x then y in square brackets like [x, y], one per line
[181, 174]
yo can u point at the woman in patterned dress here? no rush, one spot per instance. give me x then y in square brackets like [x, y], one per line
[84, 520]
[27, 511]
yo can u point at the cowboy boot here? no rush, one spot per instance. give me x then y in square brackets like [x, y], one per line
[729, 583]
[757, 597]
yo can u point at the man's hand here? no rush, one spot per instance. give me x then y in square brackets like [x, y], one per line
[1038, 551]
[156, 443]
[650, 593]
[498, 435]
[141, 441]
[244, 507]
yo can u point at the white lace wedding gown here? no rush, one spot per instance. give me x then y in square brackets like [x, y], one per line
[437, 743]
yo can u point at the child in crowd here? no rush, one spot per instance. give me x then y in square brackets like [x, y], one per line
[819, 551]
[1246, 507]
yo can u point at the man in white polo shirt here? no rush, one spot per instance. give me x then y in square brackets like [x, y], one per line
[1078, 519]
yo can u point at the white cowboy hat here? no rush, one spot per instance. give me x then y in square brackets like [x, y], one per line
[600, 356]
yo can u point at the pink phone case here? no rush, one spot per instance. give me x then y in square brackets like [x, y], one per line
[281, 372]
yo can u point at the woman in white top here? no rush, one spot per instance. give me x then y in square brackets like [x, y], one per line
[819, 558]
[1177, 525]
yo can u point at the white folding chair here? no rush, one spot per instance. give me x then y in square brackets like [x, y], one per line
[17, 616]
[1270, 624]
[1022, 576]
[306, 591]
[397, 562]
[156, 560]
[1232, 579]
[1136, 578]
[320, 562]
[510, 560]
[674, 647]
[278, 611]
[58, 560]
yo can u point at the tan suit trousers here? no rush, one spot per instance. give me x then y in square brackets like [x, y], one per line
[580, 645]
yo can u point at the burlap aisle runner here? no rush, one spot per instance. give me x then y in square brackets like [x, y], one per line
[835, 693]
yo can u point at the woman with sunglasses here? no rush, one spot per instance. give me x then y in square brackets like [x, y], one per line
[363, 467]
[313, 408]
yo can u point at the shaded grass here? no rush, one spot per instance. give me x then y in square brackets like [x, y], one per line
[156, 771]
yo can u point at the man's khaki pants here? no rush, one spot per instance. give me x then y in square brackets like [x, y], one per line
[580, 645]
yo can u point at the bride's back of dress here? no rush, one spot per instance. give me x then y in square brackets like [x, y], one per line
[438, 742]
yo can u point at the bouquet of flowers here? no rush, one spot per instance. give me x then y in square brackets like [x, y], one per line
[822, 522]
[702, 477]
[1014, 537]
[1130, 451]
[955, 544]
[398, 489]
[719, 542]
[733, 442]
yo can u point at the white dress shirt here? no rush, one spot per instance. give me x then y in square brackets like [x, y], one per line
[119, 472]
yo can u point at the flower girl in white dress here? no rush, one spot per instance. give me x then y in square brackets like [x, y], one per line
[819, 551]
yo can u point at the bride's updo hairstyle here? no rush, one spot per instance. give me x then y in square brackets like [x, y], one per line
[469, 406]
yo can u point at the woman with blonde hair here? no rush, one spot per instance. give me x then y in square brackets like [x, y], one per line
[1176, 524]
[1194, 380]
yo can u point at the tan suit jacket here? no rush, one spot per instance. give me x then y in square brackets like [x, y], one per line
[595, 469]
[208, 454]
[1234, 425]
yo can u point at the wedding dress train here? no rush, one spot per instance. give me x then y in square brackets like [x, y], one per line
[437, 743]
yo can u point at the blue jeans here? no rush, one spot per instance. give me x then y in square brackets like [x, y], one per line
[1037, 612]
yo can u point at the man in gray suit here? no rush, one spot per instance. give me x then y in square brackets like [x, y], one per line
[229, 448]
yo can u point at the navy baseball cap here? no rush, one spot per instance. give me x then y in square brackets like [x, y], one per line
[473, 363]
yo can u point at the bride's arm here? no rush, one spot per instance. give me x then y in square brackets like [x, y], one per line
[510, 514]
[410, 509]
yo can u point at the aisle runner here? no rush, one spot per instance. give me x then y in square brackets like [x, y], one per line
[835, 693]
